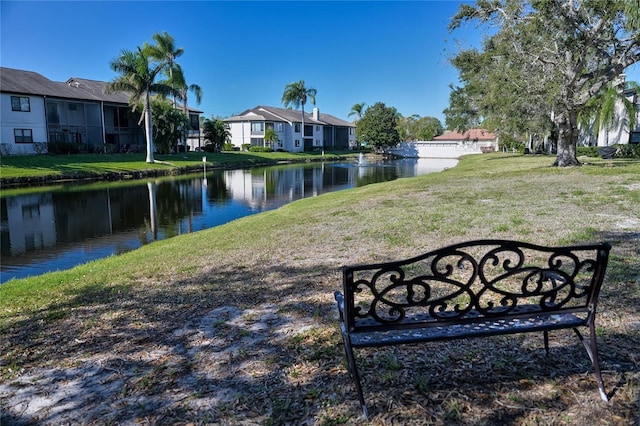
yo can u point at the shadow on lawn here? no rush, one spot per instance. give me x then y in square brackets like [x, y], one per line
[261, 345]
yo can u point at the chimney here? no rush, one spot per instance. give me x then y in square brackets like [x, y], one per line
[316, 114]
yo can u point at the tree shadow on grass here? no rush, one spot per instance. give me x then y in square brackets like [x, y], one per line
[261, 345]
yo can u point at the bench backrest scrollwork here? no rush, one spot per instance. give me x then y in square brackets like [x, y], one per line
[470, 281]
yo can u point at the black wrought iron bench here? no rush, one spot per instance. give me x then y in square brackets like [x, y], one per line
[473, 289]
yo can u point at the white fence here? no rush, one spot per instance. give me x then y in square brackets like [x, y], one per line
[435, 149]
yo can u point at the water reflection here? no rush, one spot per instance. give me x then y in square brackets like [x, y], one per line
[59, 229]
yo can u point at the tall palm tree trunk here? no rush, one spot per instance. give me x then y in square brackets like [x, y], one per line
[303, 142]
[148, 127]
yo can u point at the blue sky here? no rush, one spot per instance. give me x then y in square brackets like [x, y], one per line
[243, 53]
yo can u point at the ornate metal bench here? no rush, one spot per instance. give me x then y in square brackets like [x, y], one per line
[473, 289]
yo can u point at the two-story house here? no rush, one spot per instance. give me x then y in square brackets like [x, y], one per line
[35, 111]
[321, 131]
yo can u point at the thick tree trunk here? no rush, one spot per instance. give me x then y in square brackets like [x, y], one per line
[567, 123]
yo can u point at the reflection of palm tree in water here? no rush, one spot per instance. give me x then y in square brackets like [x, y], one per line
[153, 211]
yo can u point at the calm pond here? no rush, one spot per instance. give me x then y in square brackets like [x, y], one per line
[59, 229]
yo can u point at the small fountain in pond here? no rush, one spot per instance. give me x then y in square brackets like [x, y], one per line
[361, 159]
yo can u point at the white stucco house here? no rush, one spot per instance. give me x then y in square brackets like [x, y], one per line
[321, 131]
[620, 132]
[35, 111]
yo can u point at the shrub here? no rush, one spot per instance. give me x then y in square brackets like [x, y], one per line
[261, 149]
[63, 148]
[628, 151]
[245, 146]
[5, 149]
[588, 151]
[210, 148]
[228, 147]
[510, 143]
[40, 147]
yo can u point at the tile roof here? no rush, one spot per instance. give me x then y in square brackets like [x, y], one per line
[471, 134]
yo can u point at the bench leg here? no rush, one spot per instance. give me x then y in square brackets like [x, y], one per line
[592, 350]
[546, 342]
[353, 370]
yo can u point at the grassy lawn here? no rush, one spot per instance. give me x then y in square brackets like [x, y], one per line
[237, 324]
[22, 166]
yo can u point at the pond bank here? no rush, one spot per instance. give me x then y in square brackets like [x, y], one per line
[116, 175]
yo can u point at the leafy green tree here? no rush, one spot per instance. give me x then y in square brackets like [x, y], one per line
[296, 94]
[216, 133]
[419, 128]
[138, 72]
[462, 113]
[357, 110]
[379, 126]
[426, 128]
[170, 125]
[546, 58]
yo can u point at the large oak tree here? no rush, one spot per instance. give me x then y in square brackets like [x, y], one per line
[544, 58]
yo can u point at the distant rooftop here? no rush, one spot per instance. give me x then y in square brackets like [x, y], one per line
[469, 135]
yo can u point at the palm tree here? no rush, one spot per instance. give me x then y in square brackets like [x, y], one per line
[182, 95]
[296, 94]
[602, 109]
[165, 51]
[270, 137]
[137, 77]
[357, 110]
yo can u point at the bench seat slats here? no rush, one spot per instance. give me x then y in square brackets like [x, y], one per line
[458, 331]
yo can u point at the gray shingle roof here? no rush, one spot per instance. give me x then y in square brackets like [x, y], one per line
[94, 90]
[269, 113]
[335, 121]
[32, 83]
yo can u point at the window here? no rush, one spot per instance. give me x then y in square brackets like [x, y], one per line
[20, 103]
[194, 121]
[317, 128]
[30, 211]
[122, 120]
[280, 143]
[297, 144]
[296, 127]
[23, 135]
[257, 127]
[278, 127]
[351, 130]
